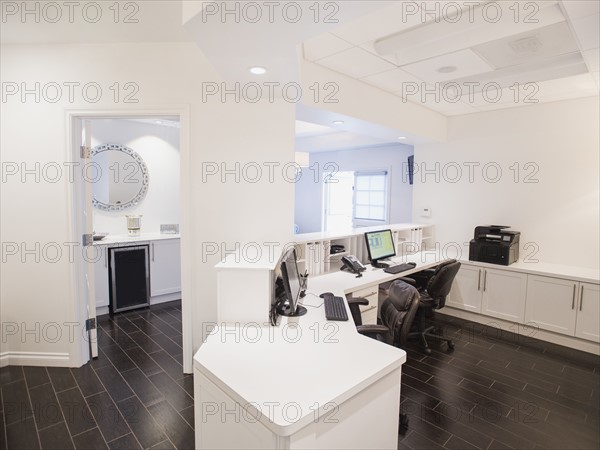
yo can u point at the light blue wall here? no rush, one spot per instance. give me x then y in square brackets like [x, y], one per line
[309, 195]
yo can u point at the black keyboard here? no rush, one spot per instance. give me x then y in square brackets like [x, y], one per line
[335, 309]
[400, 268]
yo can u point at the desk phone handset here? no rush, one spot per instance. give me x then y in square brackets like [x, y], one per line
[353, 265]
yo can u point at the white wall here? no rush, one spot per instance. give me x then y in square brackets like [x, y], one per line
[559, 214]
[39, 212]
[158, 146]
[309, 194]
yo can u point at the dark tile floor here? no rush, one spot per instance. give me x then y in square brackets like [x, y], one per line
[492, 392]
[500, 391]
[135, 395]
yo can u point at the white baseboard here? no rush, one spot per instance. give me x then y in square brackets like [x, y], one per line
[165, 298]
[101, 310]
[35, 359]
[524, 331]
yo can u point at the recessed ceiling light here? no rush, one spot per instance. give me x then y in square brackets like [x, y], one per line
[258, 70]
[401, 137]
[159, 122]
[447, 69]
[338, 122]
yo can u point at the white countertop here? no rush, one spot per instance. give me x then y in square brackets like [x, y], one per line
[304, 361]
[575, 273]
[126, 239]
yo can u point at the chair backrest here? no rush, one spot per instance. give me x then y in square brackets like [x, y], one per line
[399, 309]
[441, 282]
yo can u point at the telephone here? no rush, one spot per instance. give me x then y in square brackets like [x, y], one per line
[353, 265]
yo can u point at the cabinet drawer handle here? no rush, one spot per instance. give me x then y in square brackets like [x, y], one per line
[484, 279]
[479, 280]
[106, 257]
[573, 302]
[581, 298]
[153, 252]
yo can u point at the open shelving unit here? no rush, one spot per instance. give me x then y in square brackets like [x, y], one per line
[314, 249]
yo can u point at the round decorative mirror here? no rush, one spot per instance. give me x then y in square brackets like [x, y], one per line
[122, 180]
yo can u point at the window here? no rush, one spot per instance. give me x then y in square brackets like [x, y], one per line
[370, 196]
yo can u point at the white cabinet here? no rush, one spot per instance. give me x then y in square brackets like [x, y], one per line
[551, 304]
[503, 294]
[564, 306]
[493, 292]
[101, 276]
[466, 289]
[588, 313]
[165, 267]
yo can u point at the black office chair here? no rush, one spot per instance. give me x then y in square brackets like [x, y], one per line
[434, 286]
[397, 314]
[398, 311]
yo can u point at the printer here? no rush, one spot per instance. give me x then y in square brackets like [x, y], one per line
[494, 244]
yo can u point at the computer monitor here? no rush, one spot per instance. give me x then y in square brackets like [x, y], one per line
[292, 286]
[380, 245]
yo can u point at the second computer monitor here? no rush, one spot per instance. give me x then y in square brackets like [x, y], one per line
[292, 285]
[380, 245]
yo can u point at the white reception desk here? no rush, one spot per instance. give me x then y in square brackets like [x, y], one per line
[306, 383]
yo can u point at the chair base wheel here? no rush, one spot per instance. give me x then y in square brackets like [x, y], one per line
[451, 345]
[427, 351]
[403, 425]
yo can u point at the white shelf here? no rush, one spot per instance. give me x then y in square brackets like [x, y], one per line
[316, 245]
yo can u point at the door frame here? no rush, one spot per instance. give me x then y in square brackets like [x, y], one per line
[78, 345]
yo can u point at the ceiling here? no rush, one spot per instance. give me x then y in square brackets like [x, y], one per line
[456, 58]
[320, 130]
[84, 22]
[438, 47]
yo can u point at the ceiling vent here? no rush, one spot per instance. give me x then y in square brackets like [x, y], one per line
[530, 44]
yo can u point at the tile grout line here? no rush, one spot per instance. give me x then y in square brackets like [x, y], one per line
[115, 402]
[5, 432]
[31, 404]
[59, 405]
[136, 396]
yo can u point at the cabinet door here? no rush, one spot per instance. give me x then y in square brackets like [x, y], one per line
[551, 303]
[588, 312]
[466, 289]
[504, 294]
[371, 294]
[101, 276]
[165, 267]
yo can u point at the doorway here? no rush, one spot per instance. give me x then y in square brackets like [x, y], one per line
[338, 202]
[83, 215]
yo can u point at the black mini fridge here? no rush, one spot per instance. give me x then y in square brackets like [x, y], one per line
[129, 278]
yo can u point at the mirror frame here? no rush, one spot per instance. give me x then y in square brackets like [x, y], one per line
[145, 178]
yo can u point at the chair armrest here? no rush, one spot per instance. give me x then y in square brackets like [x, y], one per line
[410, 281]
[372, 330]
[357, 301]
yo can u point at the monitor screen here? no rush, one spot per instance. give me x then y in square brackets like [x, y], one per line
[380, 244]
[291, 279]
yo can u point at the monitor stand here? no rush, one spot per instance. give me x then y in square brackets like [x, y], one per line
[286, 311]
[379, 264]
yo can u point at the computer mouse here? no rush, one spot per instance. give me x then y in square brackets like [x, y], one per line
[326, 294]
